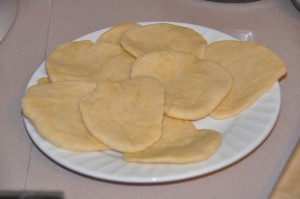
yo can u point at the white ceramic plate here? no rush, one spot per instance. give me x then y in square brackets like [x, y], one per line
[241, 135]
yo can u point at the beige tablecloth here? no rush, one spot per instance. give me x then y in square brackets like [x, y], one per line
[42, 25]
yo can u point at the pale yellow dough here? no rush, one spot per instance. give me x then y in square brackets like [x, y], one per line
[43, 80]
[114, 34]
[86, 61]
[180, 142]
[126, 115]
[53, 110]
[193, 87]
[254, 69]
[163, 36]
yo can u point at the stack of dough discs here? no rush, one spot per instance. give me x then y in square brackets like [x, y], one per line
[126, 115]
[193, 87]
[53, 110]
[137, 89]
[86, 61]
[162, 36]
[254, 69]
[181, 142]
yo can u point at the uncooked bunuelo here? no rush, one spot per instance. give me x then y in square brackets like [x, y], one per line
[254, 69]
[163, 36]
[53, 110]
[114, 34]
[194, 87]
[86, 61]
[180, 142]
[125, 115]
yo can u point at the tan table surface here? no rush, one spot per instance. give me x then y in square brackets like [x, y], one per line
[42, 25]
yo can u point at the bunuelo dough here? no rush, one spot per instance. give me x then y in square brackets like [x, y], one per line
[180, 142]
[254, 69]
[125, 115]
[194, 87]
[53, 110]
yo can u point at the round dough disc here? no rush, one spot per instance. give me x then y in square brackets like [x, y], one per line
[125, 115]
[53, 110]
[114, 34]
[163, 36]
[85, 61]
[180, 143]
[193, 87]
[254, 69]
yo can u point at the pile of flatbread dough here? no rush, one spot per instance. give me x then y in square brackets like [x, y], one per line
[138, 88]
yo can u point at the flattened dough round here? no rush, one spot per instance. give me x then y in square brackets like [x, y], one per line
[43, 80]
[126, 115]
[53, 110]
[254, 69]
[180, 142]
[163, 36]
[114, 34]
[86, 61]
[193, 87]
